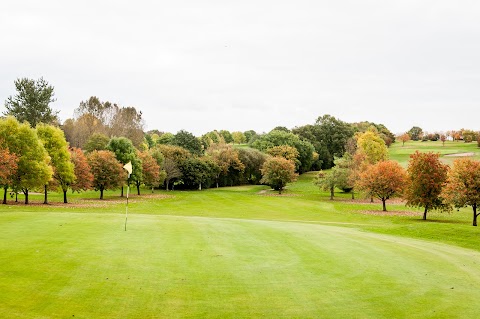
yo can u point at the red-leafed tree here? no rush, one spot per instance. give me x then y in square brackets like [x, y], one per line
[150, 171]
[427, 176]
[383, 180]
[463, 185]
[107, 171]
[84, 177]
[8, 167]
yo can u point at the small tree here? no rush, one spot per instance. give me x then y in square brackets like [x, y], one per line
[463, 185]
[426, 178]
[383, 180]
[125, 152]
[277, 172]
[239, 138]
[404, 138]
[8, 168]
[150, 171]
[108, 172]
[171, 171]
[96, 142]
[328, 180]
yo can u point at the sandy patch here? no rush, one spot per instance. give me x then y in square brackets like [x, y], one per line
[460, 155]
[389, 213]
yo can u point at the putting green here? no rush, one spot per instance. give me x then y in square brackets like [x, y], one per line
[57, 265]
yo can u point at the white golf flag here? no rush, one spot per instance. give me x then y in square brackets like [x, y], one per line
[128, 167]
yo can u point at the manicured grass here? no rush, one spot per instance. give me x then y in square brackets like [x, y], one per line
[237, 252]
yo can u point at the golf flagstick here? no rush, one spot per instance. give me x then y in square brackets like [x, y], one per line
[128, 168]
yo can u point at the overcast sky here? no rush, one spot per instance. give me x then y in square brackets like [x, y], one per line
[239, 65]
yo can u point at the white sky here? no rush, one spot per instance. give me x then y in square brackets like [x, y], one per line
[239, 65]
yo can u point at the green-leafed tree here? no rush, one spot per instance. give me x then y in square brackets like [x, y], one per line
[277, 138]
[415, 133]
[250, 136]
[34, 169]
[108, 172]
[278, 172]
[32, 102]
[253, 161]
[328, 180]
[125, 152]
[96, 142]
[188, 141]
[165, 138]
[54, 142]
[198, 172]
[227, 136]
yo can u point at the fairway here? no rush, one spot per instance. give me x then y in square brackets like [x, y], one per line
[57, 265]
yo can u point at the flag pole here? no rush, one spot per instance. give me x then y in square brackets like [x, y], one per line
[128, 168]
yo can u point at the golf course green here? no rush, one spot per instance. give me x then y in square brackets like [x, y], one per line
[237, 252]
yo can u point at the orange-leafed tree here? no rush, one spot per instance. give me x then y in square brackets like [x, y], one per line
[82, 170]
[278, 172]
[404, 138]
[150, 171]
[383, 180]
[108, 172]
[427, 176]
[227, 159]
[463, 185]
[8, 167]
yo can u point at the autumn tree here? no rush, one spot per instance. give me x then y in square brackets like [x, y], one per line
[32, 102]
[383, 180]
[33, 169]
[128, 122]
[278, 172]
[443, 138]
[108, 172]
[239, 138]
[404, 138]
[82, 170]
[463, 185]
[56, 146]
[372, 146]
[427, 176]
[8, 168]
[226, 158]
[150, 171]
[171, 171]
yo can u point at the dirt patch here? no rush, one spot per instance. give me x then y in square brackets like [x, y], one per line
[92, 202]
[393, 201]
[389, 213]
[460, 155]
[271, 193]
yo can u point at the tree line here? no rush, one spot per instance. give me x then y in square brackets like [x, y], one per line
[426, 183]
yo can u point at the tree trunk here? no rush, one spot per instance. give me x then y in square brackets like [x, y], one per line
[138, 188]
[166, 184]
[384, 206]
[45, 201]
[122, 192]
[65, 197]
[425, 213]
[371, 199]
[16, 197]
[353, 194]
[5, 190]
[331, 193]
[26, 196]
[101, 193]
[152, 189]
[474, 207]
[200, 186]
